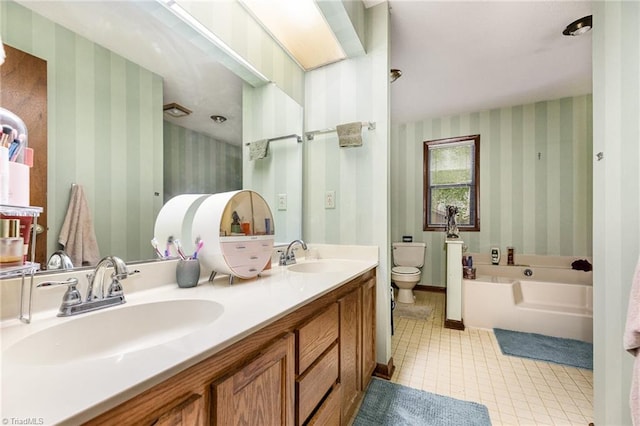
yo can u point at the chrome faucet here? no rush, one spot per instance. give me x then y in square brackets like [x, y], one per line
[289, 257]
[72, 303]
[120, 272]
[59, 260]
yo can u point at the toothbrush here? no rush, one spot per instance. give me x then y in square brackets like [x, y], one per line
[167, 250]
[154, 244]
[200, 244]
[176, 242]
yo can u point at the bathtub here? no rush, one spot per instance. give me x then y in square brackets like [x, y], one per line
[555, 301]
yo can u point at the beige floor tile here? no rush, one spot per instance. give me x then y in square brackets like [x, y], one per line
[469, 365]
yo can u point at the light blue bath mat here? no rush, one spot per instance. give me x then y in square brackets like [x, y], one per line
[574, 353]
[386, 403]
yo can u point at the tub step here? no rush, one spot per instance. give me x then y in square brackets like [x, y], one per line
[571, 310]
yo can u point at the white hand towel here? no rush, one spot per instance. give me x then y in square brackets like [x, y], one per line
[349, 134]
[631, 341]
[258, 149]
[77, 236]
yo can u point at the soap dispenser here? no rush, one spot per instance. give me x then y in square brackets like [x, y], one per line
[495, 255]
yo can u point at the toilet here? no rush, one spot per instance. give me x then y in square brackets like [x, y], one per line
[407, 258]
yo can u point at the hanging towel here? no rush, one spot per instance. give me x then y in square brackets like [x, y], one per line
[631, 342]
[350, 134]
[77, 236]
[259, 149]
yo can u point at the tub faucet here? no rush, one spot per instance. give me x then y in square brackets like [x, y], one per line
[289, 257]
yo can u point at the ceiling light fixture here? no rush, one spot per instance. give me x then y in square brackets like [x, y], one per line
[176, 110]
[300, 28]
[395, 74]
[579, 26]
[219, 118]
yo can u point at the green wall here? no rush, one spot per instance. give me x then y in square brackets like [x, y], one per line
[616, 201]
[535, 180]
[195, 163]
[105, 132]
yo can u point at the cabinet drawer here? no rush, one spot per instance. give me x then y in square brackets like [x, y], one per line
[247, 271]
[316, 336]
[316, 382]
[253, 258]
[239, 247]
[329, 412]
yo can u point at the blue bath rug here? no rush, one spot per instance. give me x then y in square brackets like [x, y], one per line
[574, 353]
[386, 403]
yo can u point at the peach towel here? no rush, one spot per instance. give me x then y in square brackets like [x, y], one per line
[631, 341]
[77, 236]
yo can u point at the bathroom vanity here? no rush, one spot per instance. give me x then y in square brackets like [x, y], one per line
[307, 367]
[296, 345]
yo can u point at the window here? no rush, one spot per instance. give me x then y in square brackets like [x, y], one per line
[452, 177]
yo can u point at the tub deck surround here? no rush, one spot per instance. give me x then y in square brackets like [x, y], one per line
[554, 301]
[51, 392]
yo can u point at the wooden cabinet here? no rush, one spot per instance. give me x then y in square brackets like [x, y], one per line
[350, 370]
[368, 331]
[317, 361]
[188, 412]
[261, 392]
[307, 367]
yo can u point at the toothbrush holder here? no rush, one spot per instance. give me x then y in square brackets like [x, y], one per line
[188, 273]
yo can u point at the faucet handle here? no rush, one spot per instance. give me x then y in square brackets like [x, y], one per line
[71, 296]
[283, 259]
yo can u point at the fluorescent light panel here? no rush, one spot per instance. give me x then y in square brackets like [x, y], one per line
[300, 28]
[180, 12]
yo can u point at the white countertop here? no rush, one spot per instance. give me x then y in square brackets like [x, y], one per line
[70, 393]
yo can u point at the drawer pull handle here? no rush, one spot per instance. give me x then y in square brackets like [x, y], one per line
[252, 270]
[253, 257]
[241, 247]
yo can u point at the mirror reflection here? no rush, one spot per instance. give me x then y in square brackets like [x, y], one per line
[111, 66]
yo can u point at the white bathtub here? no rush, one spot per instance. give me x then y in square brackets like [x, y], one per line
[553, 301]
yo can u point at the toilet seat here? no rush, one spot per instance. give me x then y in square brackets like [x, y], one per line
[405, 270]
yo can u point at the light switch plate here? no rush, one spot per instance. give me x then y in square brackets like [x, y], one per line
[330, 200]
[282, 201]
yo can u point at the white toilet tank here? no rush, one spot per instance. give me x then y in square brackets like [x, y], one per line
[408, 254]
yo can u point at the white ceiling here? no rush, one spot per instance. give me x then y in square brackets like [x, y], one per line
[455, 56]
[459, 57]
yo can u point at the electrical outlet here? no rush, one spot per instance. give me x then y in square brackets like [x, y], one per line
[282, 201]
[330, 200]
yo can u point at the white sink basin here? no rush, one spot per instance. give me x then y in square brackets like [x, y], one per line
[320, 266]
[113, 332]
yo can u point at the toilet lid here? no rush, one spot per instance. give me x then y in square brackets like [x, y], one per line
[405, 270]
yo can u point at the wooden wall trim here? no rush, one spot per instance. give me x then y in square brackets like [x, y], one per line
[385, 371]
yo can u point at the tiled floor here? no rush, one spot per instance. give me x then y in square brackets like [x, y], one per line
[469, 365]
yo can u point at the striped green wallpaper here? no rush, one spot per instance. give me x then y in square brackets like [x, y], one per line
[535, 180]
[105, 132]
[355, 89]
[616, 201]
[269, 113]
[195, 163]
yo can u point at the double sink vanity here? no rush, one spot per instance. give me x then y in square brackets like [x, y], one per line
[296, 345]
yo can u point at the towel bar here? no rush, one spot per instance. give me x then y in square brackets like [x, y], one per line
[371, 125]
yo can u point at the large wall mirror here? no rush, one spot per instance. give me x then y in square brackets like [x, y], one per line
[111, 67]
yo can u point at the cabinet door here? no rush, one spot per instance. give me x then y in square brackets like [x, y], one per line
[261, 392]
[187, 413]
[368, 331]
[350, 353]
